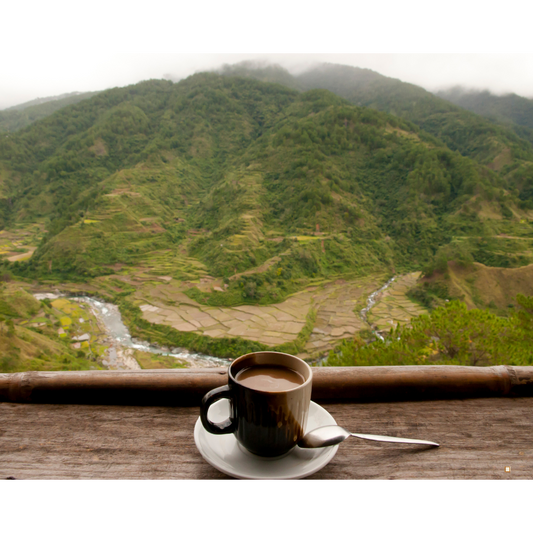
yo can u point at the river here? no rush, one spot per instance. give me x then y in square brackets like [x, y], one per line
[371, 302]
[119, 353]
[121, 344]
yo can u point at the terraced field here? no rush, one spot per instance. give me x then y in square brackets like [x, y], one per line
[271, 325]
[337, 316]
[337, 305]
[394, 307]
[19, 243]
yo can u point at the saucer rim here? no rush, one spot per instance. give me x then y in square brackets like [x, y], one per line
[323, 459]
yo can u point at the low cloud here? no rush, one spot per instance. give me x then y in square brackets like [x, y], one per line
[42, 76]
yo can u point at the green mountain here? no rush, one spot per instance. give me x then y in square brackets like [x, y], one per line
[470, 134]
[505, 149]
[22, 115]
[232, 190]
[510, 109]
[219, 175]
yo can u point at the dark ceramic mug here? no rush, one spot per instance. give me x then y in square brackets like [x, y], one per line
[268, 424]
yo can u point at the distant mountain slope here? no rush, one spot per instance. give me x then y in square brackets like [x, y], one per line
[504, 108]
[502, 148]
[22, 115]
[261, 71]
[223, 175]
[511, 109]
[466, 132]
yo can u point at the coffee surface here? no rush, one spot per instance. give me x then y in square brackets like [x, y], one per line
[270, 378]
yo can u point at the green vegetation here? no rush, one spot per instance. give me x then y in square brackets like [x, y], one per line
[30, 338]
[21, 116]
[430, 295]
[510, 109]
[150, 361]
[451, 334]
[244, 191]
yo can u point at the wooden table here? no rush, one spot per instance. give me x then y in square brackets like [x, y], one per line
[479, 438]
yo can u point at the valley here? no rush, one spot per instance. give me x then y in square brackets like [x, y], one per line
[308, 324]
[224, 214]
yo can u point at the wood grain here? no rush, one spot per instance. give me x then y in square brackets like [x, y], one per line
[478, 437]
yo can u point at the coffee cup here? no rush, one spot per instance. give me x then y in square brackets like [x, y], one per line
[269, 395]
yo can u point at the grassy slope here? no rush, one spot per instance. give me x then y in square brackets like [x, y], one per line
[29, 337]
[480, 286]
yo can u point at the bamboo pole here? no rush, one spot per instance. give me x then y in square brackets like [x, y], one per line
[187, 386]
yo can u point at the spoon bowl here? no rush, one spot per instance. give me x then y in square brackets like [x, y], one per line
[332, 435]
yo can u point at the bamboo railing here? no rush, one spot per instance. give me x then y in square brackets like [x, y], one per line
[187, 386]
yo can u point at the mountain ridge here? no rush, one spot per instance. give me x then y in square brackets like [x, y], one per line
[22, 115]
[207, 121]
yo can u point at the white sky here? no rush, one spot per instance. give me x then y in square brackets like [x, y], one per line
[28, 75]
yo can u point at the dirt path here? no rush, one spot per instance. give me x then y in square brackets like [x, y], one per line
[261, 268]
[22, 257]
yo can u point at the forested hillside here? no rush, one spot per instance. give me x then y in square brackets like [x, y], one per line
[234, 191]
[242, 163]
[510, 109]
[508, 150]
[22, 115]
[465, 132]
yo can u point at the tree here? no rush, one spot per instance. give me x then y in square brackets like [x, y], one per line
[452, 334]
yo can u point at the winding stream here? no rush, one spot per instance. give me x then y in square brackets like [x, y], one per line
[371, 302]
[119, 353]
[110, 320]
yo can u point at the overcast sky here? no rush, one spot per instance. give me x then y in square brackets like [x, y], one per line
[28, 75]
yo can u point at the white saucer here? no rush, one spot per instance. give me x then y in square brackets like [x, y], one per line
[225, 453]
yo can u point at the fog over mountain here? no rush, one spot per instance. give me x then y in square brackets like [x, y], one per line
[40, 77]
[505, 108]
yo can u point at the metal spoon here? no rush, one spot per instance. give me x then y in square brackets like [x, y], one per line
[331, 435]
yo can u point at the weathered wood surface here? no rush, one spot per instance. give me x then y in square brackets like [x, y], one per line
[478, 437]
[186, 387]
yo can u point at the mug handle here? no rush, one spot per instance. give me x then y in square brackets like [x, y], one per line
[217, 428]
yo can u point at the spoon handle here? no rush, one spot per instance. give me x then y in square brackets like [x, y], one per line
[382, 438]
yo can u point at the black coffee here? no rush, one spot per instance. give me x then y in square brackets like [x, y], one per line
[270, 378]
